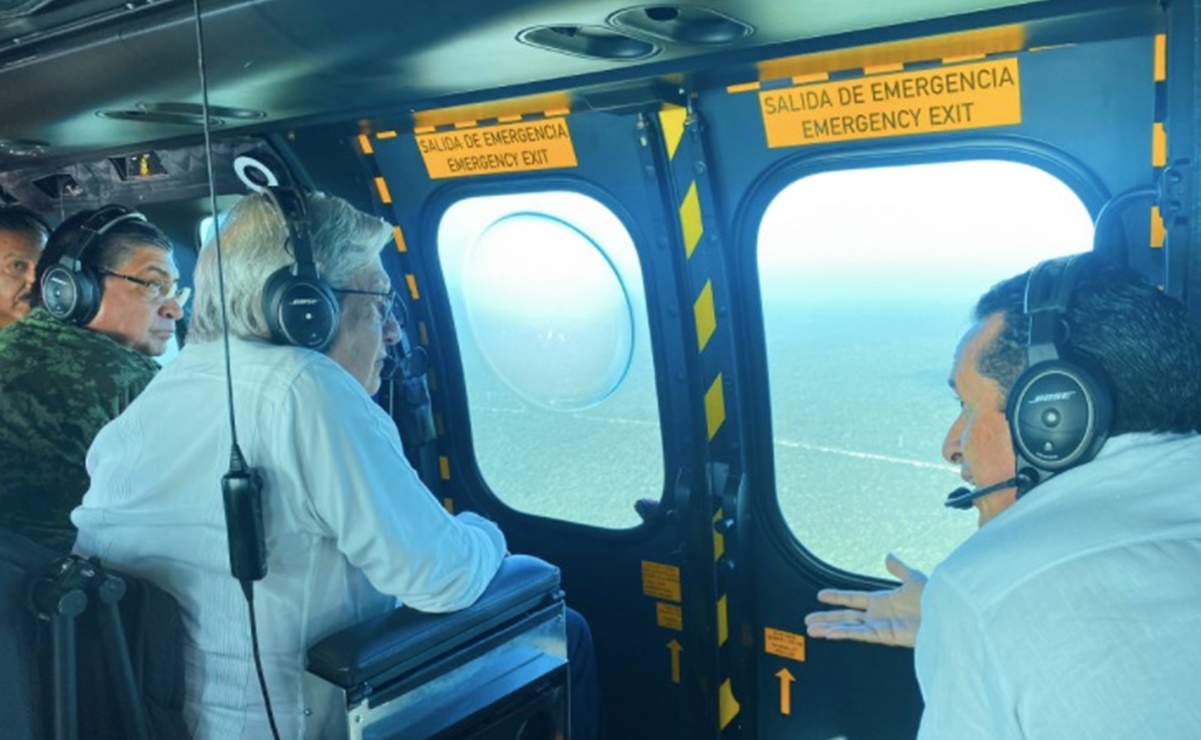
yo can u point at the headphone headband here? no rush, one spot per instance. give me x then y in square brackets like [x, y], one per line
[290, 203]
[94, 227]
[1048, 294]
[301, 308]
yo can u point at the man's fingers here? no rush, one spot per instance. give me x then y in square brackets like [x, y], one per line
[837, 616]
[838, 597]
[901, 570]
[896, 566]
[857, 632]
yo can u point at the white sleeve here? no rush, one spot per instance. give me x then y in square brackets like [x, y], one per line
[963, 685]
[357, 487]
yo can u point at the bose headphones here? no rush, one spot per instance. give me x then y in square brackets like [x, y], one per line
[300, 307]
[1060, 409]
[70, 288]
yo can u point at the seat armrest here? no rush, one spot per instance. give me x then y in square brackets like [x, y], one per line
[394, 643]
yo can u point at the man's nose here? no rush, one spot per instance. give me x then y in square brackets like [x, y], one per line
[391, 331]
[171, 309]
[951, 451]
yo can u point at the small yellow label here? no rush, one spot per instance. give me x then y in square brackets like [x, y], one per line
[953, 98]
[784, 644]
[670, 616]
[488, 150]
[661, 581]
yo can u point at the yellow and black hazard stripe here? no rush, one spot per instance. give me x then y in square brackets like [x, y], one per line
[694, 201]
[384, 194]
[1159, 136]
[889, 57]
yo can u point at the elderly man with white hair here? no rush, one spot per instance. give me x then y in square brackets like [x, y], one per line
[349, 526]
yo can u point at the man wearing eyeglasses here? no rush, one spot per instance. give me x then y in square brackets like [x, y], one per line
[350, 528]
[64, 378]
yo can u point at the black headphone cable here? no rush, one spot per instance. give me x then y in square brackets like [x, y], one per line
[241, 487]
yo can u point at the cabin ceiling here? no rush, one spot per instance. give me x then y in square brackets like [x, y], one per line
[91, 76]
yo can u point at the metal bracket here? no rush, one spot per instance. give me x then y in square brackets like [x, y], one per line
[1174, 190]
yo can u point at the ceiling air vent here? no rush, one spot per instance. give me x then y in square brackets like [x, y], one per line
[592, 42]
[195, 109]
[183, 114]
[682, 24]
[181, 119]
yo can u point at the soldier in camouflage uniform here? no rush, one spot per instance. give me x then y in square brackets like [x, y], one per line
[61, 382]
[22, 236]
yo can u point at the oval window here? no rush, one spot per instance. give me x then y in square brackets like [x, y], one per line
[550, 317]
[548, 312]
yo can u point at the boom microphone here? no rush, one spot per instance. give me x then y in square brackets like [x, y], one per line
[962, 497]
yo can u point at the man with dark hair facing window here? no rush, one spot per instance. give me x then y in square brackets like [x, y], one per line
[63, 380]
[1074, 610]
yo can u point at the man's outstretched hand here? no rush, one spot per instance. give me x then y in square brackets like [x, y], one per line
[884, 617]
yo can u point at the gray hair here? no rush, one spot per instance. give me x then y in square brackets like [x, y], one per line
[345, 241]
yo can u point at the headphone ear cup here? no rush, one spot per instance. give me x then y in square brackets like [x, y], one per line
[1059, 416]
[300, 311]
[70, 296]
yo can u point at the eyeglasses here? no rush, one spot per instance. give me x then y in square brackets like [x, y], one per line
[156, 290]
[393, 309]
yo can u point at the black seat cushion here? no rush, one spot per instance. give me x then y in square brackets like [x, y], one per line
[394, 643]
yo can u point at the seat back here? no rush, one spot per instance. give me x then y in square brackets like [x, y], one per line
[152, 632]
[23, 683]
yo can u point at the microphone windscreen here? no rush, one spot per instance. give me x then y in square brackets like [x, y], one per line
[960, 498]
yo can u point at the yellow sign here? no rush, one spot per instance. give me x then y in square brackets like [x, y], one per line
[952, 98]
[670, 616]
[784, 644]
[661, 581]
[489, 150]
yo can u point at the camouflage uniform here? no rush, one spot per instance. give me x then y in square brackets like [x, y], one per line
[59, 384]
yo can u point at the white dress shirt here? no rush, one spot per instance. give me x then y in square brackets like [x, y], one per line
[1075, 613]
[350, 529]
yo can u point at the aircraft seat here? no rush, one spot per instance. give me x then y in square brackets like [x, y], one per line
[497, 669]
[89, 652]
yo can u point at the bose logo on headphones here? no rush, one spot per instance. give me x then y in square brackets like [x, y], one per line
[303, 301]
[1048, 397]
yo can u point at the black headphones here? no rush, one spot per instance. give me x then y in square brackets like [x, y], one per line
[71, 290]
[300, 307]
[1060, 408]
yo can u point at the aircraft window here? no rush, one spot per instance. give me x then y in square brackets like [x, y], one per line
[546, 293]
[204, 230]
[868, 279]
